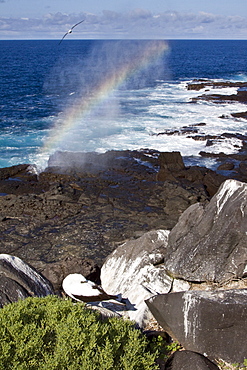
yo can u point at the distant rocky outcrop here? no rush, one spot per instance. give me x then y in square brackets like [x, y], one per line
[18, 280]
[199, 84]
[240, 96]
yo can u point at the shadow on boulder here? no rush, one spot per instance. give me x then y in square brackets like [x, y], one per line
[18, 280]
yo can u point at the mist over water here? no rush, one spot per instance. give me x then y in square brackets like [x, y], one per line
[96, 88]
[83, 71]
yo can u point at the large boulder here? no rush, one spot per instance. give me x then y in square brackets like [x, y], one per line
[134, 269]
[171, 163]
[210, 243]
[18, 280]
[184, 360]
[213, 323]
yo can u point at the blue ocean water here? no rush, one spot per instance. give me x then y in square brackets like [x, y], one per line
[44, 87]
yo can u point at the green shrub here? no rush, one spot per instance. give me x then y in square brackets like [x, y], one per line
[52, 333]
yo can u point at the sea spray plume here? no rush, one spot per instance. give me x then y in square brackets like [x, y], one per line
[120, 68]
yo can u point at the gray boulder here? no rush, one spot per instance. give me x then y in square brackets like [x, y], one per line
[10, 291]
[206, 250]
[134, 269]
[184, 360]
[18, 280]
[211, 323]
[210, 243]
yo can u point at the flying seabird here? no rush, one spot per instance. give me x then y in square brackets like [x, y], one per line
[70, 31]
[79, 288]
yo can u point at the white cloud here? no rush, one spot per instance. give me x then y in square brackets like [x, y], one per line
[138, 23]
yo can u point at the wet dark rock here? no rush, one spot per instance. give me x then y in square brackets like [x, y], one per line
[212, 181]
[199, 84]
[171, 161]
[227, 166]
[240, 97]
[70, 211]
[19, 280]
[17, 171]
[17, 179]
[243, 168]
[239, 115]
[237, 141]
[172, 169]
[179, 197]
[240, 156]
[213, 323]
[184, 360]
[203, 137]
[184, 130]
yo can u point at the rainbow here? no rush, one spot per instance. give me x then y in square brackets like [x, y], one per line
[82, 106]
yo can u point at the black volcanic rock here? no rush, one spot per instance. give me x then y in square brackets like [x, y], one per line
[18, 171]
[239, 115]
[172, 169]
[227, 166]
[240, 97]
[84, 211]
[185, 360]
[198, 85]
[202, 84]
[208, 322]
[19, 280]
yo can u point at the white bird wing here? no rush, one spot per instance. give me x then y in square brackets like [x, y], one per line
[63, 37]
[77, 24]
[80, 289]
[70, 30]
[84, 289]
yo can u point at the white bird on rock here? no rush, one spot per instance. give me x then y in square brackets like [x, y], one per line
[70, 31]
[80, 289]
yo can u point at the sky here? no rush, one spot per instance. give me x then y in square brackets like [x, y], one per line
[124, 19]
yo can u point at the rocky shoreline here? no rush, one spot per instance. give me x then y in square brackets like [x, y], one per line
[191, 279]
[83, 210]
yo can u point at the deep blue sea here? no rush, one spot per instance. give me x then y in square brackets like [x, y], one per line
[85, 95]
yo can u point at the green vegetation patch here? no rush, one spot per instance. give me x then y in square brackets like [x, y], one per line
[53, 333]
